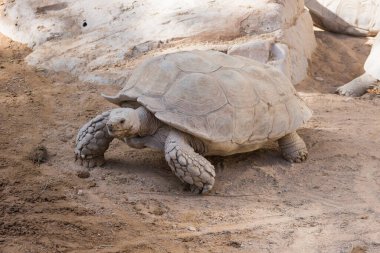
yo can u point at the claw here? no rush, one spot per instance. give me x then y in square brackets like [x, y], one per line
[206, 189]
[194, 189]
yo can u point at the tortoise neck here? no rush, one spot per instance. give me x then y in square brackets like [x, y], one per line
[148, 123]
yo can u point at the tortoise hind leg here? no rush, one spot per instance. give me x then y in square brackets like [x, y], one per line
[92, 141]
[293, 148]
[188, 165]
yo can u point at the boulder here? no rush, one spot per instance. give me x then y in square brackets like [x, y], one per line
[101, 41]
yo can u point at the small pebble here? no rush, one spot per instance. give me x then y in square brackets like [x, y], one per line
[80, 192]
[92, 185]
[191, 228]
[83, 174]
[38, 154]
[318, 78]
[235, 244]
[348, 99]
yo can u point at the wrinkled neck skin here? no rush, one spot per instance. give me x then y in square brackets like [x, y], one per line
[153, 133]
[148, 123]
[145, 130]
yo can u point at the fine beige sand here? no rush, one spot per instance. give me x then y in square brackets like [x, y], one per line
[260, 203]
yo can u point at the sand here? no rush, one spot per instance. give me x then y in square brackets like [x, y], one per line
[260, 202]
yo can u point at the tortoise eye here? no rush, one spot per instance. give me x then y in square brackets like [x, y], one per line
[122, 121]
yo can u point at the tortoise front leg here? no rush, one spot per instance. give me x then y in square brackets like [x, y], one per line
[92, 141]
[188, 165]
[358, 86]
[293, 148]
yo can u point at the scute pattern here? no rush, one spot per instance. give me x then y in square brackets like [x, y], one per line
[220, 124]
[238, 88]
[185, 122]
[195, 94]
[263, 123]
[243, 124]
[299, 116]
[280, 124]
[156, 76]
[217, 97]
[193, 62]
[153, 104]
[224, 60]
[267, 83]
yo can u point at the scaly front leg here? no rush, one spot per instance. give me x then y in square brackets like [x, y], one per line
[358, 86]
[188, 165]
[92, 141]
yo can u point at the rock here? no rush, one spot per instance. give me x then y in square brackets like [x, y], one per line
[369, 96]
[190, 228]
[318, 78]
[92, 185]
[235, 244]
[119, 34]
[257, 49]
[349, 99]
[142, 48]
[83, 174]
[359, 249]
[38, 154]
[80, 192]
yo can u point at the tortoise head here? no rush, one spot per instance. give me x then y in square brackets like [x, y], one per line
[123, 122]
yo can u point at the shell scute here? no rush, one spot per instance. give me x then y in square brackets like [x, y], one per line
[243, 124]
[220, 124]
[193, 62]
[238, 88]
[195, 94]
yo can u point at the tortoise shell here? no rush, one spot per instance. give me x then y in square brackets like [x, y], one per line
[216, 97]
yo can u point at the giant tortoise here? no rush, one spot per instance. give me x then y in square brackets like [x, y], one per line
[352, 17]
[193, 104]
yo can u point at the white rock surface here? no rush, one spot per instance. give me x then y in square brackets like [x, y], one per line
[101, 41]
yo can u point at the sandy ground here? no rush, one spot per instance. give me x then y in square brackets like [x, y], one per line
[260, 203]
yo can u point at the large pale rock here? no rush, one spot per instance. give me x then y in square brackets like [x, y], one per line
[101, 40]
